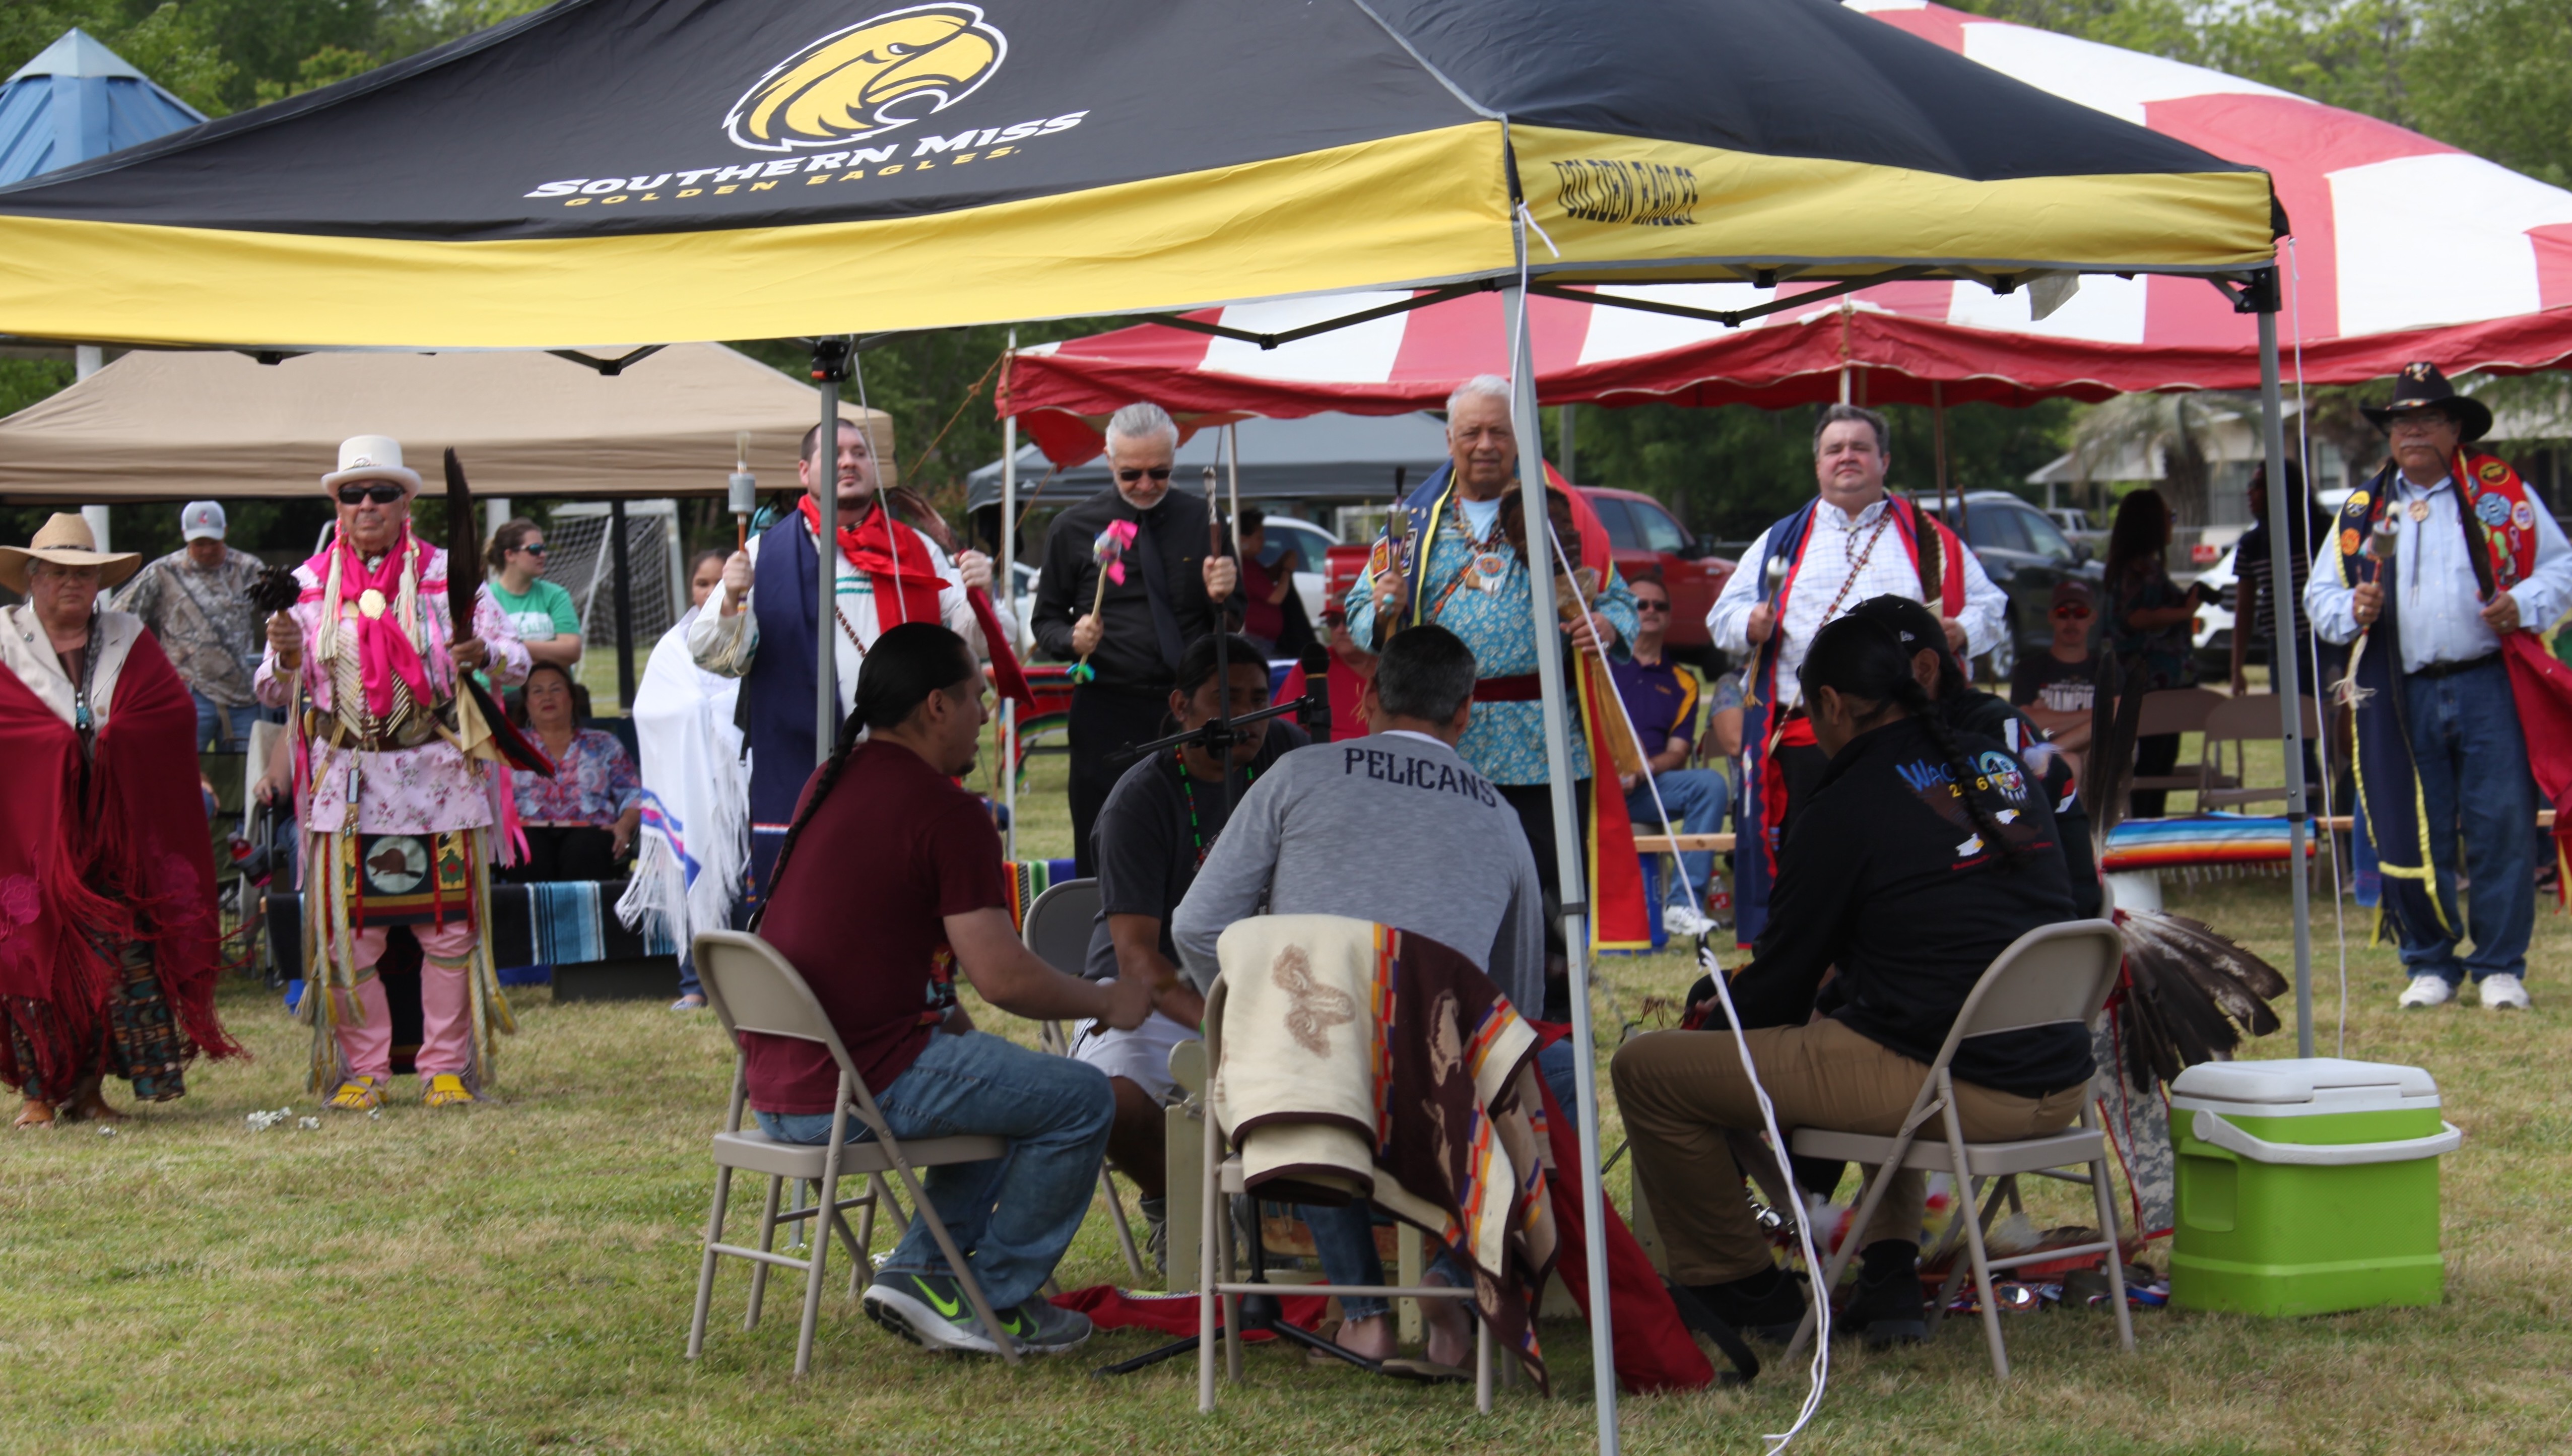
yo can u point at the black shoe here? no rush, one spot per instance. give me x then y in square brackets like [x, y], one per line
[1769, 1304]
[1888, 1308]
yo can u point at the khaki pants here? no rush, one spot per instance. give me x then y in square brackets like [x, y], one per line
[1683, 1093]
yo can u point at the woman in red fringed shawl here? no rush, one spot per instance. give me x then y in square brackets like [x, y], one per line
[107, 877]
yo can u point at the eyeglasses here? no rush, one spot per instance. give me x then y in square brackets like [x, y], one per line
[532, 548]
[1157, 472]
[2071, 613]
[383, 492]
[1647, 604]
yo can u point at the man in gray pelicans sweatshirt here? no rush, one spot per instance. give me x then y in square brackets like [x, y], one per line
[1395, 828]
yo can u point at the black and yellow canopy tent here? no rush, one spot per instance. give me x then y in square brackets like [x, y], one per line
[656, 171]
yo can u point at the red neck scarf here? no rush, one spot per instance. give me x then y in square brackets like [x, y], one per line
[894, 558]
[384, 650]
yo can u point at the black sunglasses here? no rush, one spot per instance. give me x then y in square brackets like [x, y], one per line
[382, 493]
[532, 548]
[1647, 604]
[1159, 473]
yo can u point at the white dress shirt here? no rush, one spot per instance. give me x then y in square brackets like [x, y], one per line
[1834, 545]
[2434, 595]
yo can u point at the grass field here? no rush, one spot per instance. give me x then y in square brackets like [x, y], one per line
[517, 1278]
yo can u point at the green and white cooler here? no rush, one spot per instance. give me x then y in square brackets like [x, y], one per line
[2306, 1186]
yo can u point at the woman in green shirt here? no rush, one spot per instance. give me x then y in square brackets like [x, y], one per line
[540, 611]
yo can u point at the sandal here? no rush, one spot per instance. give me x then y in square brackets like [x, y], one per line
[358, 1095]
[1425, 1371]
[446, 1090]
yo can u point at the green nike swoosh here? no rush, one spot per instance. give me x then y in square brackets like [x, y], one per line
[948, 1308]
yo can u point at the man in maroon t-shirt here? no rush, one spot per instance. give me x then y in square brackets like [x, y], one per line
[887, 884]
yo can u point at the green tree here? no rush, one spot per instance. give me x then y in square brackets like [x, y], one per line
[2495, 78]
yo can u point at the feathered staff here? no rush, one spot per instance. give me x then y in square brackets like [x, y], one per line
[1107, 548]
[2188, 991]
[463, 545]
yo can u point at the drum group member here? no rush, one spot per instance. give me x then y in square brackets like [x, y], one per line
[1159, 593]
[1467, 571]
[107, 885]
[1850, 542]
[1662, 702]
[1399, 829]
[1919, 855]
[2443, 722]
[763, 627]
[397, 820]
[1161, 821]
[579, 818]
[889, 883]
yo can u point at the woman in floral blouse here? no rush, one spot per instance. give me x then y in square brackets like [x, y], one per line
[580, 823]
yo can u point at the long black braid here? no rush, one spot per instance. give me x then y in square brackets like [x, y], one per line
[1864, 659]
[900, 670]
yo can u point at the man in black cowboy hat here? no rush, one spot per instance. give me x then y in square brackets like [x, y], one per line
[2474, 560]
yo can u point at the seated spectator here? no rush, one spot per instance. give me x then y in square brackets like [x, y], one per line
[1397, 829]
[1154, 831]
[1661, 701]
[2054, 688]
[1265, 584]
[1911, 867]
[541, 610]
[580, 822]
[889, 879]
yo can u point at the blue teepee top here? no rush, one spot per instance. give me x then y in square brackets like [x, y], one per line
[76, 100]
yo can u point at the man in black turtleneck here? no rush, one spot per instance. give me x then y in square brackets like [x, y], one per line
[1134, 638]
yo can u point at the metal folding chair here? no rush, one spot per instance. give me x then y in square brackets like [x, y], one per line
[1058, 927]
[2054, 975]
[752, 989]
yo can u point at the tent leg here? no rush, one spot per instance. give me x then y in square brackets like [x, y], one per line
[830, 366]
[1567, 843]
[624, 606]
[1009, 589]
[2283, 666]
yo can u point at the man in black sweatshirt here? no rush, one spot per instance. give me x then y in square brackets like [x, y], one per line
[1134, 636]
[1923, 854]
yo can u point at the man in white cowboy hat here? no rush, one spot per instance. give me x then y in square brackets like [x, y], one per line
[401, 823]
[106, 884]
[2444, 716]
[196, 601]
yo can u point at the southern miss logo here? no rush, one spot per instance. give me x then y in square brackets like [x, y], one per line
[882, 73]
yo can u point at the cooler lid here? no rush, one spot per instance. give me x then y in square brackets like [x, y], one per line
[2304, 1081]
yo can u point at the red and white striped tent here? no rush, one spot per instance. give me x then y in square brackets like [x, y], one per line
[2403, 248]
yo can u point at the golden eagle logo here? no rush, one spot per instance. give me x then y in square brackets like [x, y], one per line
[884, 72]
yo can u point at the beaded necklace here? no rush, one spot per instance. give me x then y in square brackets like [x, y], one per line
[1188, 787]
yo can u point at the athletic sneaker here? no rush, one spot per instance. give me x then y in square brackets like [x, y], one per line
[1043, 1327]
[2504, 992]
[930, 1310]
[1683, 923]
[2429, 991]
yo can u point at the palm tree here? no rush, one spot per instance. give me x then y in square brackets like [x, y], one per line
[2178, 430]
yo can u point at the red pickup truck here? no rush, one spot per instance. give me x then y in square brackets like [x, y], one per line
[1642, 533]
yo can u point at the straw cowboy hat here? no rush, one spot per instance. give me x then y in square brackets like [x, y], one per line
[65, 540]
[2420, 387]
[372, 458]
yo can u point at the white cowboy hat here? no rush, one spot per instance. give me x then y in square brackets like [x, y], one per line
[65, 540]
[372, 458]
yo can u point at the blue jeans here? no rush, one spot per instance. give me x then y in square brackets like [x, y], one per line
[1012, 1216]
[228, 728]
[1696, 800]
[1345, 1238]
[2475, 786]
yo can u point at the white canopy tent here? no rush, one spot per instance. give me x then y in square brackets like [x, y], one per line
[216, 424]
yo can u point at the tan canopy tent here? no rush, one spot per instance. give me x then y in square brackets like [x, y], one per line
[195, 426]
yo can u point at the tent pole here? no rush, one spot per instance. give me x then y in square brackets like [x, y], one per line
[624, 606]
[1008, 769]
[825, 573]
[1938, 435]
[2283, 666]
[1566, 839]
